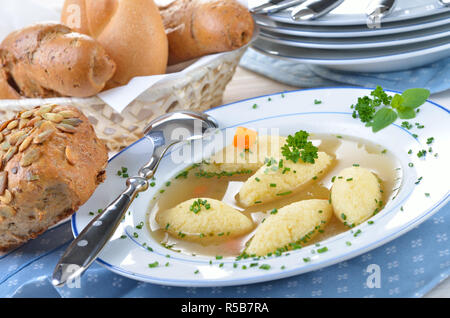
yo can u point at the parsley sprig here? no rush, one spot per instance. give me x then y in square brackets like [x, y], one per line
[399, 106]
[298, 147]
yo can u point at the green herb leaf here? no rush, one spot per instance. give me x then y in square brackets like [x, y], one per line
[397, 101]
[383, 118]
[406, 113]
[414, 97]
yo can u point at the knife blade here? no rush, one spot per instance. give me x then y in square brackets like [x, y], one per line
[269, 3]
[313, 9]
[284, 4]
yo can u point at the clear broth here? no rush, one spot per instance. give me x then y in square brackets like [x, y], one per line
[346, 151]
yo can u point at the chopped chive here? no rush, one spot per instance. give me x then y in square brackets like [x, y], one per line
[421, 153]
[140, 225]
[152, 265]
[284, 193]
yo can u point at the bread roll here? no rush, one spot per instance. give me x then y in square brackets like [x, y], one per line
[131, 31]
[199, 27]
[49, 60]
[51, 163]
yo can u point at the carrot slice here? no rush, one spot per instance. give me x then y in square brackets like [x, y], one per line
[244, 138]
[200, 190]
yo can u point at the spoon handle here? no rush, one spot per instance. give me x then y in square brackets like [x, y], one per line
[84, 249]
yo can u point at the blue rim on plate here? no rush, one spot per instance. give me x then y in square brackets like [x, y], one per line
[405, 227]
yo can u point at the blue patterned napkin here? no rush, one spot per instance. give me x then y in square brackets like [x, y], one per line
[435, 76]
[409, 267]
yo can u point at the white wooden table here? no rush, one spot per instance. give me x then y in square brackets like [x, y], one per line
[246, 84]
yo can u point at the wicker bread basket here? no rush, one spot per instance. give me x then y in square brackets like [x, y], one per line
[200, 89]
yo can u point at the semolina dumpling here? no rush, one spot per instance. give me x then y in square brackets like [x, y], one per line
[280, 177]
[204, 220]
[295, 223]
[231, 159]
[356, 195]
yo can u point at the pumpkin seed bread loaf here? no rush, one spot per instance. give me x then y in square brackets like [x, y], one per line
[51, 163]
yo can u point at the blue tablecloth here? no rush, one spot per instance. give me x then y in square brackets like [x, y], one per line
[409, 267]
[435, 76]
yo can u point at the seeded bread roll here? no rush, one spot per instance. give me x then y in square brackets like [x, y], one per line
[51, 163]
[198, 27]
[49, 60]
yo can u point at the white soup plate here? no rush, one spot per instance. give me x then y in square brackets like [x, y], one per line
[127, 253]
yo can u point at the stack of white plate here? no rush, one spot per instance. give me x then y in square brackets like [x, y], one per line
[416, 33]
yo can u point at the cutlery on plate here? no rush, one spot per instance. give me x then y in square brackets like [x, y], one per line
[84, 249]
[378, 9]
[279, 6]
[261, 7]
[313, 9]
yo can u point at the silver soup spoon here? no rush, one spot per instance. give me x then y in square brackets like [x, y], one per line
[84, 249]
